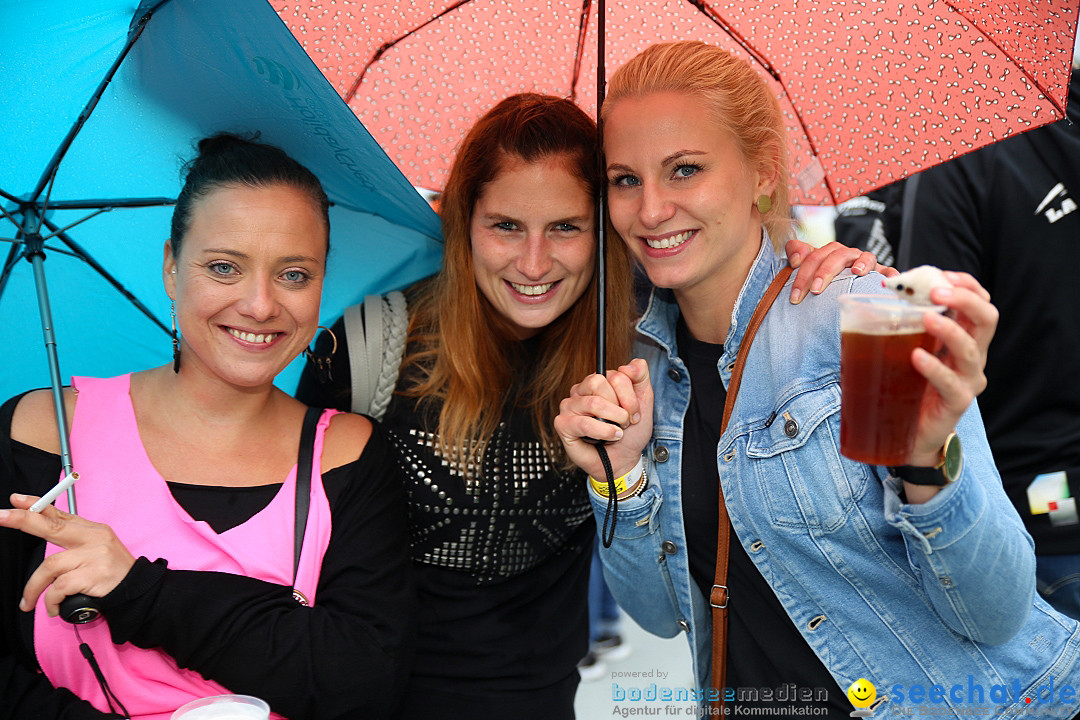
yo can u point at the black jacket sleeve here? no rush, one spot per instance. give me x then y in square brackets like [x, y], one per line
[30, 696]
[872, 222]
[348, 656]
[24, 691]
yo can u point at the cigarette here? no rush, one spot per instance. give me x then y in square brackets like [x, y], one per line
[54, 493]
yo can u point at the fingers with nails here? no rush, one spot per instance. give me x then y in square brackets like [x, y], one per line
[623, 396]
[818, 266]
[956, 375]
[93, 561]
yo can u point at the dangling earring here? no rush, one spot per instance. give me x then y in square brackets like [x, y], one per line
[764, 204]
[175, 341]
[322, 363]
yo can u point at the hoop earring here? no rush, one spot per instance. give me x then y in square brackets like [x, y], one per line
[175, 341]
[323, 363]
[764, 204]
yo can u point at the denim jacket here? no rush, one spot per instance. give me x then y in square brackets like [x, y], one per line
[902, 595]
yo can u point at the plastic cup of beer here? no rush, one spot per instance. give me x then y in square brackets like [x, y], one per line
[881, 392]
[224, 707]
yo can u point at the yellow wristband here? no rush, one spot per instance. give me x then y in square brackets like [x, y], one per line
[600, 487]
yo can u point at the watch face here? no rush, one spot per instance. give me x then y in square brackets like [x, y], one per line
[954, 458]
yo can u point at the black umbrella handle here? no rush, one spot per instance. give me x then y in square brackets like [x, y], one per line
[79, 609]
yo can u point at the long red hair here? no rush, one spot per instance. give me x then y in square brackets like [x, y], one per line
[474, 364]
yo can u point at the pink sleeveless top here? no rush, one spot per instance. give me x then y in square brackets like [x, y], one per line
[119, 487]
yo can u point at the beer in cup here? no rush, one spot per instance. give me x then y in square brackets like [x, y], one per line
[881, 392]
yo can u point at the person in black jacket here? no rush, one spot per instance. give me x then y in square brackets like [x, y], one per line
[1002, 213]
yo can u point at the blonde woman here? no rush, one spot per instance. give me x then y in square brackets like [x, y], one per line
[910, 578]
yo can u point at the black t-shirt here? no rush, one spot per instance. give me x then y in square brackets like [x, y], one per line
[764, 649]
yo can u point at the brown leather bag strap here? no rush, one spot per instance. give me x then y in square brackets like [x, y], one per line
[719, 596]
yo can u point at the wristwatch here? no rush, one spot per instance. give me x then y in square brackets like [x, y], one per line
[946, 471]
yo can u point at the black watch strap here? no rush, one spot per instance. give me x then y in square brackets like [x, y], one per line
[946, 471]
[919, 475]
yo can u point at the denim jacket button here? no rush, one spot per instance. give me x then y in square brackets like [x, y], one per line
[673, 373]
[668, 547]
[791, 428]
[660, 453]
[684, 625]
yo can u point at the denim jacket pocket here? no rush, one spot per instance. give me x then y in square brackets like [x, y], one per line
[636, 516]
[794, 455]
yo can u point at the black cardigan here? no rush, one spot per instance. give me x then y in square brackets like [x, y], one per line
[348, 656]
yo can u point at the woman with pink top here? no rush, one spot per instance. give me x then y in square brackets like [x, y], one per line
[194, 490]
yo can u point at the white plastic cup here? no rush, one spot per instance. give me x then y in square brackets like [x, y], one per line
[224, 707]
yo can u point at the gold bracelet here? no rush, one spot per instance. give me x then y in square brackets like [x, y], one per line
[601, 487]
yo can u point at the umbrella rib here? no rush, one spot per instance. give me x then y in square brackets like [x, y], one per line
[109, 204]
[9, 265]
[58, 251]
[54, 233]
[85, 257]
[707, 10]
[10, 217]
[583, 28]
[355, 87]
[49, 174]
[761, 60]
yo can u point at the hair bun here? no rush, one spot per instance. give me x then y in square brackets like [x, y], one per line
[224, 141]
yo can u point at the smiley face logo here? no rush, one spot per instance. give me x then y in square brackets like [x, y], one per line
[862, 693]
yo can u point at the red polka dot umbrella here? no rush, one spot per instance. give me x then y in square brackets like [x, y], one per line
[874, 90]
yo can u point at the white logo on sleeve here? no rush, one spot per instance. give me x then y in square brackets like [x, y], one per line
[1066, 206]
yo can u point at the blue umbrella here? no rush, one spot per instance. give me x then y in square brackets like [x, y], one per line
[101, 101]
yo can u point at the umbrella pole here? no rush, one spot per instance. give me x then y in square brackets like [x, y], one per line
[35, 254]
[601, 241]
[607, 533]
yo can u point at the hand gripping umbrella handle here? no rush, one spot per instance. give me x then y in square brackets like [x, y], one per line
[77, 609]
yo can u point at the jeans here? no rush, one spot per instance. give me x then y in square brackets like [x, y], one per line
[1057, 579]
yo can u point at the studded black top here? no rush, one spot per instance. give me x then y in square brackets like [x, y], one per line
[501, 556]
[504, 520]
[501, 559]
